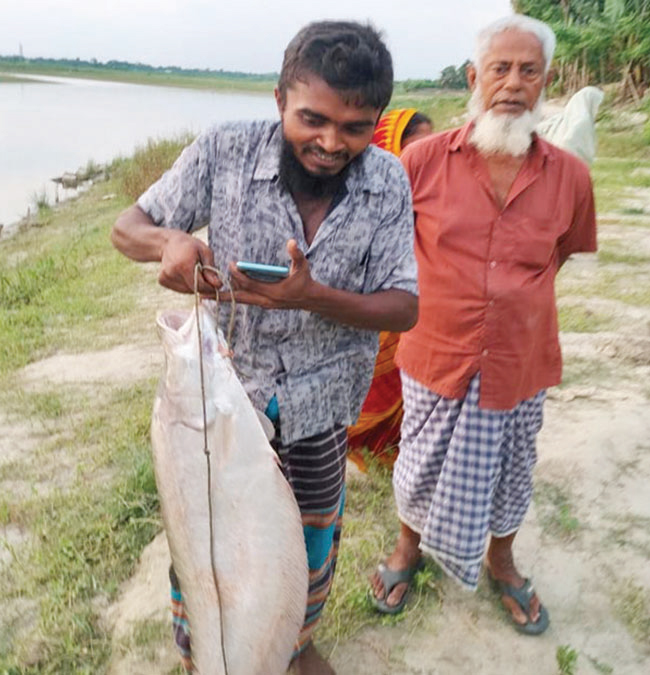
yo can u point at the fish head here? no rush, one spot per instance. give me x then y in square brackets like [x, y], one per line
[181, 333]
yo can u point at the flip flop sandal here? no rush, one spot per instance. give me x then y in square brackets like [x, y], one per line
[390, 579]
[522, 596]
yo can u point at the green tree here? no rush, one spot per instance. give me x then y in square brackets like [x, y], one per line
[454, 78]
[599, 41]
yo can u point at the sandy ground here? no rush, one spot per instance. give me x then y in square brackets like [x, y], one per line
[594, 449]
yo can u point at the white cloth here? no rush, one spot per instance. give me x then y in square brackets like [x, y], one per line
[574, 129]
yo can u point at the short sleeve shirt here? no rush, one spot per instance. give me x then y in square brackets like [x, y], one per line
[486, 272]
[318, 369]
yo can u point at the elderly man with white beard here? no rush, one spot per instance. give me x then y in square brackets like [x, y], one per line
[497, 212]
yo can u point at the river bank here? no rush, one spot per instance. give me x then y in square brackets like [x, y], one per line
[55, 125]
[207, 81]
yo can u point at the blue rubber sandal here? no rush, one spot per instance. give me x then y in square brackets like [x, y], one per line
[522, 596]
[390, 579]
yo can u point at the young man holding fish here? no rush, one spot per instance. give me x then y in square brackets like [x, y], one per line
[310, 194]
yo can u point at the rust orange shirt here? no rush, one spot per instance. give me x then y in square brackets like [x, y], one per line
[486, 274]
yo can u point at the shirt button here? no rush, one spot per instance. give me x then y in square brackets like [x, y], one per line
[491, 303]
[493, 264]
[485, 352]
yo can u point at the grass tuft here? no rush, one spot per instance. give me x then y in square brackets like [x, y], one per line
[555, 511]
[567, 660]
[369, 532]
[632, 604]
[147, 165]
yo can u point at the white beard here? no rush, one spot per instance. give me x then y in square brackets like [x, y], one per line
[501, 133]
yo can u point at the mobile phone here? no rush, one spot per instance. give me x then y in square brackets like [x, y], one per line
[260, 272]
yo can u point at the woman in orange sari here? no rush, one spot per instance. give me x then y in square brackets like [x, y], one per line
[378, 428]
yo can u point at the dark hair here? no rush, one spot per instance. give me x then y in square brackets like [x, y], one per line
[349, 56]
[415, 121]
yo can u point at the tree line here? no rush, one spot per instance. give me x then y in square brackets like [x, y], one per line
[126, 66]
[598, 42]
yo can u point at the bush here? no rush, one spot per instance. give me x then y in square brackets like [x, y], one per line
[147, 165]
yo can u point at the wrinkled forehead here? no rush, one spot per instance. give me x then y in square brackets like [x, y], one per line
[513, 44]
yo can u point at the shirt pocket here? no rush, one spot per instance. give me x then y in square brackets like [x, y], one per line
[342, 256]
[531, 243]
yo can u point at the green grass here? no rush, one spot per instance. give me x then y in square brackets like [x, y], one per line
[444, 108]
[71, 284]
[555, 511]
[600, 667]
[628, 531]
[159, 79]
[370, 528]
[615, 254]
[14, 79]
[615, 179]
[88, 534]
[149, 162]
[567, 660]
[41, 203]
[632, 605]
[579, 319]
[92, 506]
[579, 371]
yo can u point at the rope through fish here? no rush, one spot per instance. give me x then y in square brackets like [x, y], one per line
[206, 450]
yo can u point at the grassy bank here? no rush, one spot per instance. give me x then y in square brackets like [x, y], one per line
[161, 79]
[78, 500]
[77, 497]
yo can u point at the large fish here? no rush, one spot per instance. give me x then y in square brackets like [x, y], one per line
[242, 570]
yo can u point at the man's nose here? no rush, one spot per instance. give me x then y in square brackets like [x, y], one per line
[330, 139]
[513, 80]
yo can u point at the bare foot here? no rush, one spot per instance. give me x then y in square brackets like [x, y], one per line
[501, 566]
[310, 662]
[405, 556]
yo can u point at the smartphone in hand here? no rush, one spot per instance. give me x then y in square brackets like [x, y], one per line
[260, 272]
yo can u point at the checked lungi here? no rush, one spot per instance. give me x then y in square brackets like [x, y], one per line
[462, 472]
[315, 469]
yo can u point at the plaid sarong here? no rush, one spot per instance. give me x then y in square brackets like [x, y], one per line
[315, 469]
[462, 472]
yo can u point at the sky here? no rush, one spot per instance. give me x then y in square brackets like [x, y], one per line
[424, 36]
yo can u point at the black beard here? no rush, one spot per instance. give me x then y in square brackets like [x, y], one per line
[297, 180]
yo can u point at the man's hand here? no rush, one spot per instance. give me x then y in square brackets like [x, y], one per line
[392, 309]
[179, 256]
[137, 237]
[294, 292]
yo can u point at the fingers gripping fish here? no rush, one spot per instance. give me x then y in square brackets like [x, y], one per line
[243, 571]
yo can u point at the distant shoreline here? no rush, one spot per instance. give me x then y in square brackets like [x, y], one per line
[11, 72]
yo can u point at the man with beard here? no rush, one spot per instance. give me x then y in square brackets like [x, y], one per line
[308, 193]
[497, 212]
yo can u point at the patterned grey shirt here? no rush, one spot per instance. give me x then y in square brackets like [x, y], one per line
[318, 369]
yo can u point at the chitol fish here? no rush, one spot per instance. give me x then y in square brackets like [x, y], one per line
[232, 521]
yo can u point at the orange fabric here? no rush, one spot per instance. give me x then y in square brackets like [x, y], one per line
[378, 428]
[389, 129]
[486, 274]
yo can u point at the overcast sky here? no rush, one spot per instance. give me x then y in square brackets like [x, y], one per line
[424, 36]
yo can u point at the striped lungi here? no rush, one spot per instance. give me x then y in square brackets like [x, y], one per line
[462, 472]
[315, 469]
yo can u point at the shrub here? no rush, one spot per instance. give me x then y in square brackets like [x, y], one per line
[147, 165]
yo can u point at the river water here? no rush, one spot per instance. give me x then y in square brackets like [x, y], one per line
[53, 125]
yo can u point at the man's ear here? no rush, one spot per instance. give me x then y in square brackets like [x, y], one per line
[279, 100]
[470, 72]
